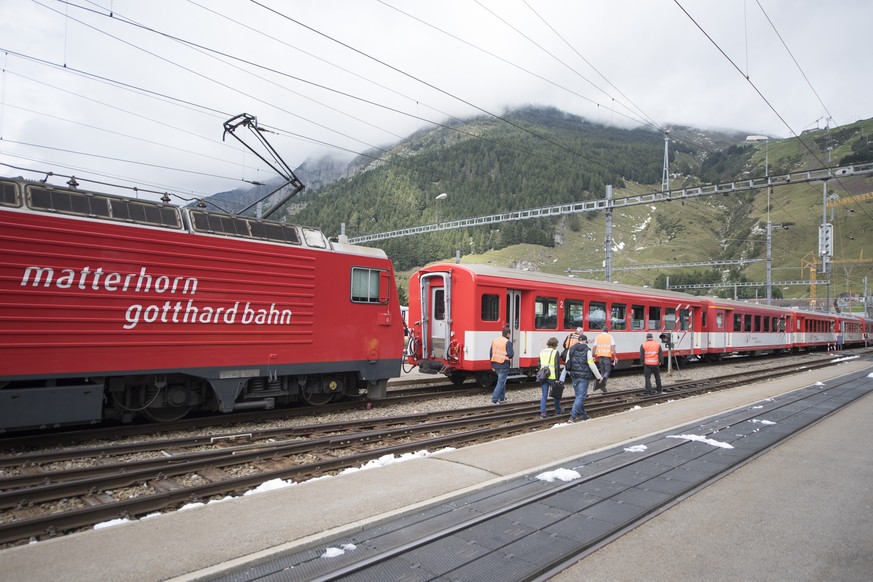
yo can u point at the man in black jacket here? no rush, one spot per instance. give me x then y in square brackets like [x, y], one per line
[581, 365]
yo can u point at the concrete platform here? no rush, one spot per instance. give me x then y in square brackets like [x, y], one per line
[199, 543]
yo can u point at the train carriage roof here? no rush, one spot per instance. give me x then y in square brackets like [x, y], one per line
[481, 271]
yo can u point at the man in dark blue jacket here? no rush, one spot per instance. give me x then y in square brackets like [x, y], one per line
[581, 365]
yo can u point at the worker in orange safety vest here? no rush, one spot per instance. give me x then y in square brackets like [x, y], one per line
[605, 356]
[650, 356]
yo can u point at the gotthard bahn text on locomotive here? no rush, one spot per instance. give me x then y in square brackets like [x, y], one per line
[112, 307]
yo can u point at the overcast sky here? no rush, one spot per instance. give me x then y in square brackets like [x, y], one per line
[83, 91]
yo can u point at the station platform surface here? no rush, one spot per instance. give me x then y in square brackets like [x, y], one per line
[801, 511]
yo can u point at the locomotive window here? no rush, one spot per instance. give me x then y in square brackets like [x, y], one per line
[684, 318]
[596, 315]
[573, 311]
[546, 313]
[638, 317]
[365, 286]
[738, 322]
[719, 321]
[618, 316]
[314, 238]
[490, 307]
[670, 318]
[654, 317]
[9, 194]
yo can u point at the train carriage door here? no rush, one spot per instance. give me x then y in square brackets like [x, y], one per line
[718, 337]
[785, 327]
[436, 306]
[513, 320]
[438, 322]
[700, 328]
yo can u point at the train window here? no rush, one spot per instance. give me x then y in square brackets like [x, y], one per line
[766, 324]
[314, 238]
[738, 322]
[670, 318]
[366, 286]
[703, 320]
[757, 323]
[638, 317]
[748, 322]
[9, 194]
[596, 315]
[490, 307]
[654, 317]
[573, 311]
[719, 321]
[618, 320]
[546, 313]
[439, 304]
[684, 319]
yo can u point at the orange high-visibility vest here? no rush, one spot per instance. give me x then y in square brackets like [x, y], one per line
[498, 350]
[603, 346]
[651, 348]
[571, 340]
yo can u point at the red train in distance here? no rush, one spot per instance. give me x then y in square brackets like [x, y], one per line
[112, 307]
[456, 310]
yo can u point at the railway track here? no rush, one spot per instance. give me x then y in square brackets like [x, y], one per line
[49, 493]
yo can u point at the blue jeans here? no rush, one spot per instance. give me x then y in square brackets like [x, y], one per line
[580, 387]
[545, 386]
[500, 390]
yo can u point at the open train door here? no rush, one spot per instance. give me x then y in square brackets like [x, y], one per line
[436, 304]
[513, 320]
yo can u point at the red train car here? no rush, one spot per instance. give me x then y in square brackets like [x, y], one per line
[455, 311]
[734, 327]
[112, 307]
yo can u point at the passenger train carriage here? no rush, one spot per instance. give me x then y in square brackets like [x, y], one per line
[456, 310]
[112, 307]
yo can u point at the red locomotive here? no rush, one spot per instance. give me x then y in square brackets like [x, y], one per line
[456, 310]
[112, 307]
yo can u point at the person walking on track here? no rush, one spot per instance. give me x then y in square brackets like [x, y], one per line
[501, 359]
[650, 355]
[605, 355]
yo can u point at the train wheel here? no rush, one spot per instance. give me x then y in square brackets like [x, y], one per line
[457, 378]
[316, 398]
[486, 379]
[167, 414]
